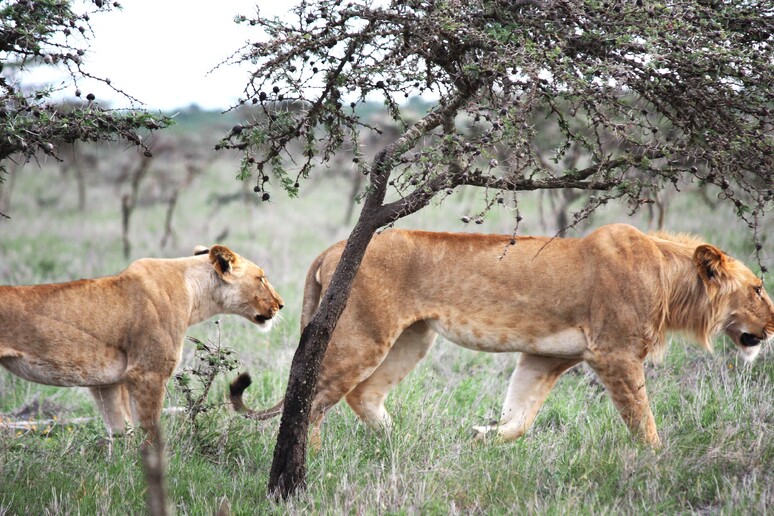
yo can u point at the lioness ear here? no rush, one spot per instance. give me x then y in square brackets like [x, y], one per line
[200, 249]
[710, 262]
[224, 260]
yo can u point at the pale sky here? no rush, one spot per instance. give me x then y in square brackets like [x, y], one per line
[160, 51]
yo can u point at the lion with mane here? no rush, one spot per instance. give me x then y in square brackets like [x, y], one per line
[608, 299]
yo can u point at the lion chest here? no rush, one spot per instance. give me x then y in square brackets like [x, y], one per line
[567, 342]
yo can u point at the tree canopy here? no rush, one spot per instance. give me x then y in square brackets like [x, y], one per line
[51, 33]
[651, 93]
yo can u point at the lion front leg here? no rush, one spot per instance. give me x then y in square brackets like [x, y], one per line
[146, 389]
[624, 379]
[530, 384]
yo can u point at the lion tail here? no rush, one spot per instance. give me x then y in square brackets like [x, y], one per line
[237, 388]
[312, 290]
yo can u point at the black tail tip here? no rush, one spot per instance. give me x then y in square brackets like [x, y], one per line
[239, 384]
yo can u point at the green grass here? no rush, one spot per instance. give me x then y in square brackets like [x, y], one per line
[715, 414]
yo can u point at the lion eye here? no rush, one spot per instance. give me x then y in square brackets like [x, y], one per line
[758, 290]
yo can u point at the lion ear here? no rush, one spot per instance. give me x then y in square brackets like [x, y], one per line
[224, 260]
[710, 262]
[200, 249]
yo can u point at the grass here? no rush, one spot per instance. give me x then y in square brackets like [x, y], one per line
[715, 415]
[577, 458]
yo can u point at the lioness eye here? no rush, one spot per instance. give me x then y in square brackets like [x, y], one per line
[758, 290]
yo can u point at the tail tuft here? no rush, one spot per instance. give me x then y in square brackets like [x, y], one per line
[240, 383]
[237, 388]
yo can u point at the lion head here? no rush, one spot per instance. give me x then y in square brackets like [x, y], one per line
[244, 290]
[738, 300]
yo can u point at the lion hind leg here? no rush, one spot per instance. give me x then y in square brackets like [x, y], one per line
[351, 358]
[113, 403]
[531, 382]
[367, 399]
[315, 436]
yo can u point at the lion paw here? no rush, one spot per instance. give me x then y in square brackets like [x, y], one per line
[482, 433]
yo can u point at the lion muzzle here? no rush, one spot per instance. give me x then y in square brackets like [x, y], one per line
[749, 340]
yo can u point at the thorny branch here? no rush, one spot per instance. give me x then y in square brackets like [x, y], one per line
[50, 33]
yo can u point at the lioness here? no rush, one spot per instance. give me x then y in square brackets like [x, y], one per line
[122, 336]
[607, 299]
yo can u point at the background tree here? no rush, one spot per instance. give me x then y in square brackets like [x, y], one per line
[651, 94]
[51, 33]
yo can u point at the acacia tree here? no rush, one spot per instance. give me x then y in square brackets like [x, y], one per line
[653, 94]
[51, 33]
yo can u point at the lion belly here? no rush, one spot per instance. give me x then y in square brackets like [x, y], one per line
[570, 342]
[68, 371]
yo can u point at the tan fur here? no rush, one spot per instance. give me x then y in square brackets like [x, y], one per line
[608, 299]
[122, 335]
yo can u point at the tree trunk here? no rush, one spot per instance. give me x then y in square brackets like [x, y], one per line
[288, 470]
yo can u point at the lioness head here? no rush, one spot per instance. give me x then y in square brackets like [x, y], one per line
[747, 313]
[244, 289]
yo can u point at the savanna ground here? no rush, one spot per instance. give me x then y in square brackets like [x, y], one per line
[714, 413]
